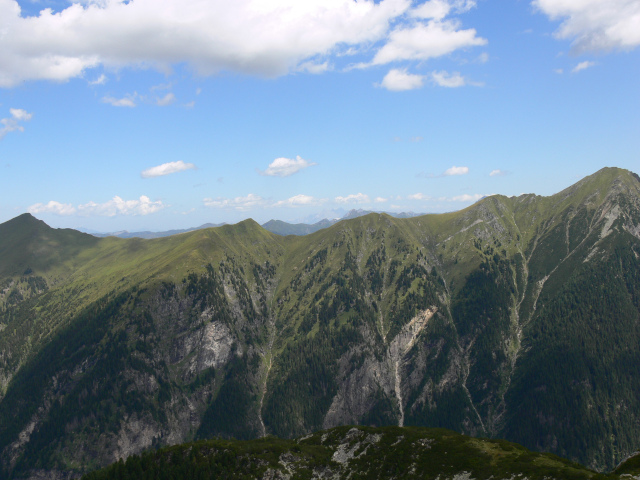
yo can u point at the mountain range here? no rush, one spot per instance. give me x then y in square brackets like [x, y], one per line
[515, 318]
[275, 226]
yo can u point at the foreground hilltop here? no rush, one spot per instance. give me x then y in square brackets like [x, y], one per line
[516, 318]
[355, 452]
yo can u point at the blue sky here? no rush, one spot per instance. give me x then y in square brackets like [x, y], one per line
[161, 114]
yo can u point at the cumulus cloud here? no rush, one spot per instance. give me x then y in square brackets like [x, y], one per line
[398, 80]
[166, 169]
[168, 99]
[115, 206]
[450, 80]
[54, 207]
[583, 66]
[284, 167]
[118, 206]
[595, 25]
[237, 203]
[314, 68]
[268, 38]
[436, 9]
[419, 196]
[101, 80]
[12, 123]
[380, 200]
[498, 173]
[467, 198]
[456, 171]
[118, 102]
[353, 198]
[423, 41]
[298, 201]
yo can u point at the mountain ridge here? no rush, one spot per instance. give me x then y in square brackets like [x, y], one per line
[275, 226]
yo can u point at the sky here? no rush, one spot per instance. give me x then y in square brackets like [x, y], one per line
[165, 114]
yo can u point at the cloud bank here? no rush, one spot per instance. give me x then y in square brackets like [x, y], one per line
[115, 206]
[268, 38]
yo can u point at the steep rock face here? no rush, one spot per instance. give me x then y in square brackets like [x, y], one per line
[361, 390]
[517, 318]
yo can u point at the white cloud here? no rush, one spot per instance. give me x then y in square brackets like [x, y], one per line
[284, 167]
[438, 9]
[267, 38]
[353, 198]
[20, 115]
[462, 6]
[456, 171]
[166, 169]
[12, 124]
[118, 206]
[423, 41]
[419, 196]
[168, 99]
[298, 201]
[451, 80]
[380, 200]
[595, 25]
[467, 198]
[314, 68]
[559, 71]
[119, 102]
[52, 207]
[583, 66]
[115, 206]
[101, 80]
[398, 80]
[263, 37]
[237, 203]
[498, 173]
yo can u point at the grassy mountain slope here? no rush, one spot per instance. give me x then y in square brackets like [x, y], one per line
[516, 317]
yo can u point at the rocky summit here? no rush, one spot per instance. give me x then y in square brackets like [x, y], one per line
[516, 318]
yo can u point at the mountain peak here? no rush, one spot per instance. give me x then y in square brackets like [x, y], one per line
[21, 221]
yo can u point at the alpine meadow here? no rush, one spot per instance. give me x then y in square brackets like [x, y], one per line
[517, 318]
